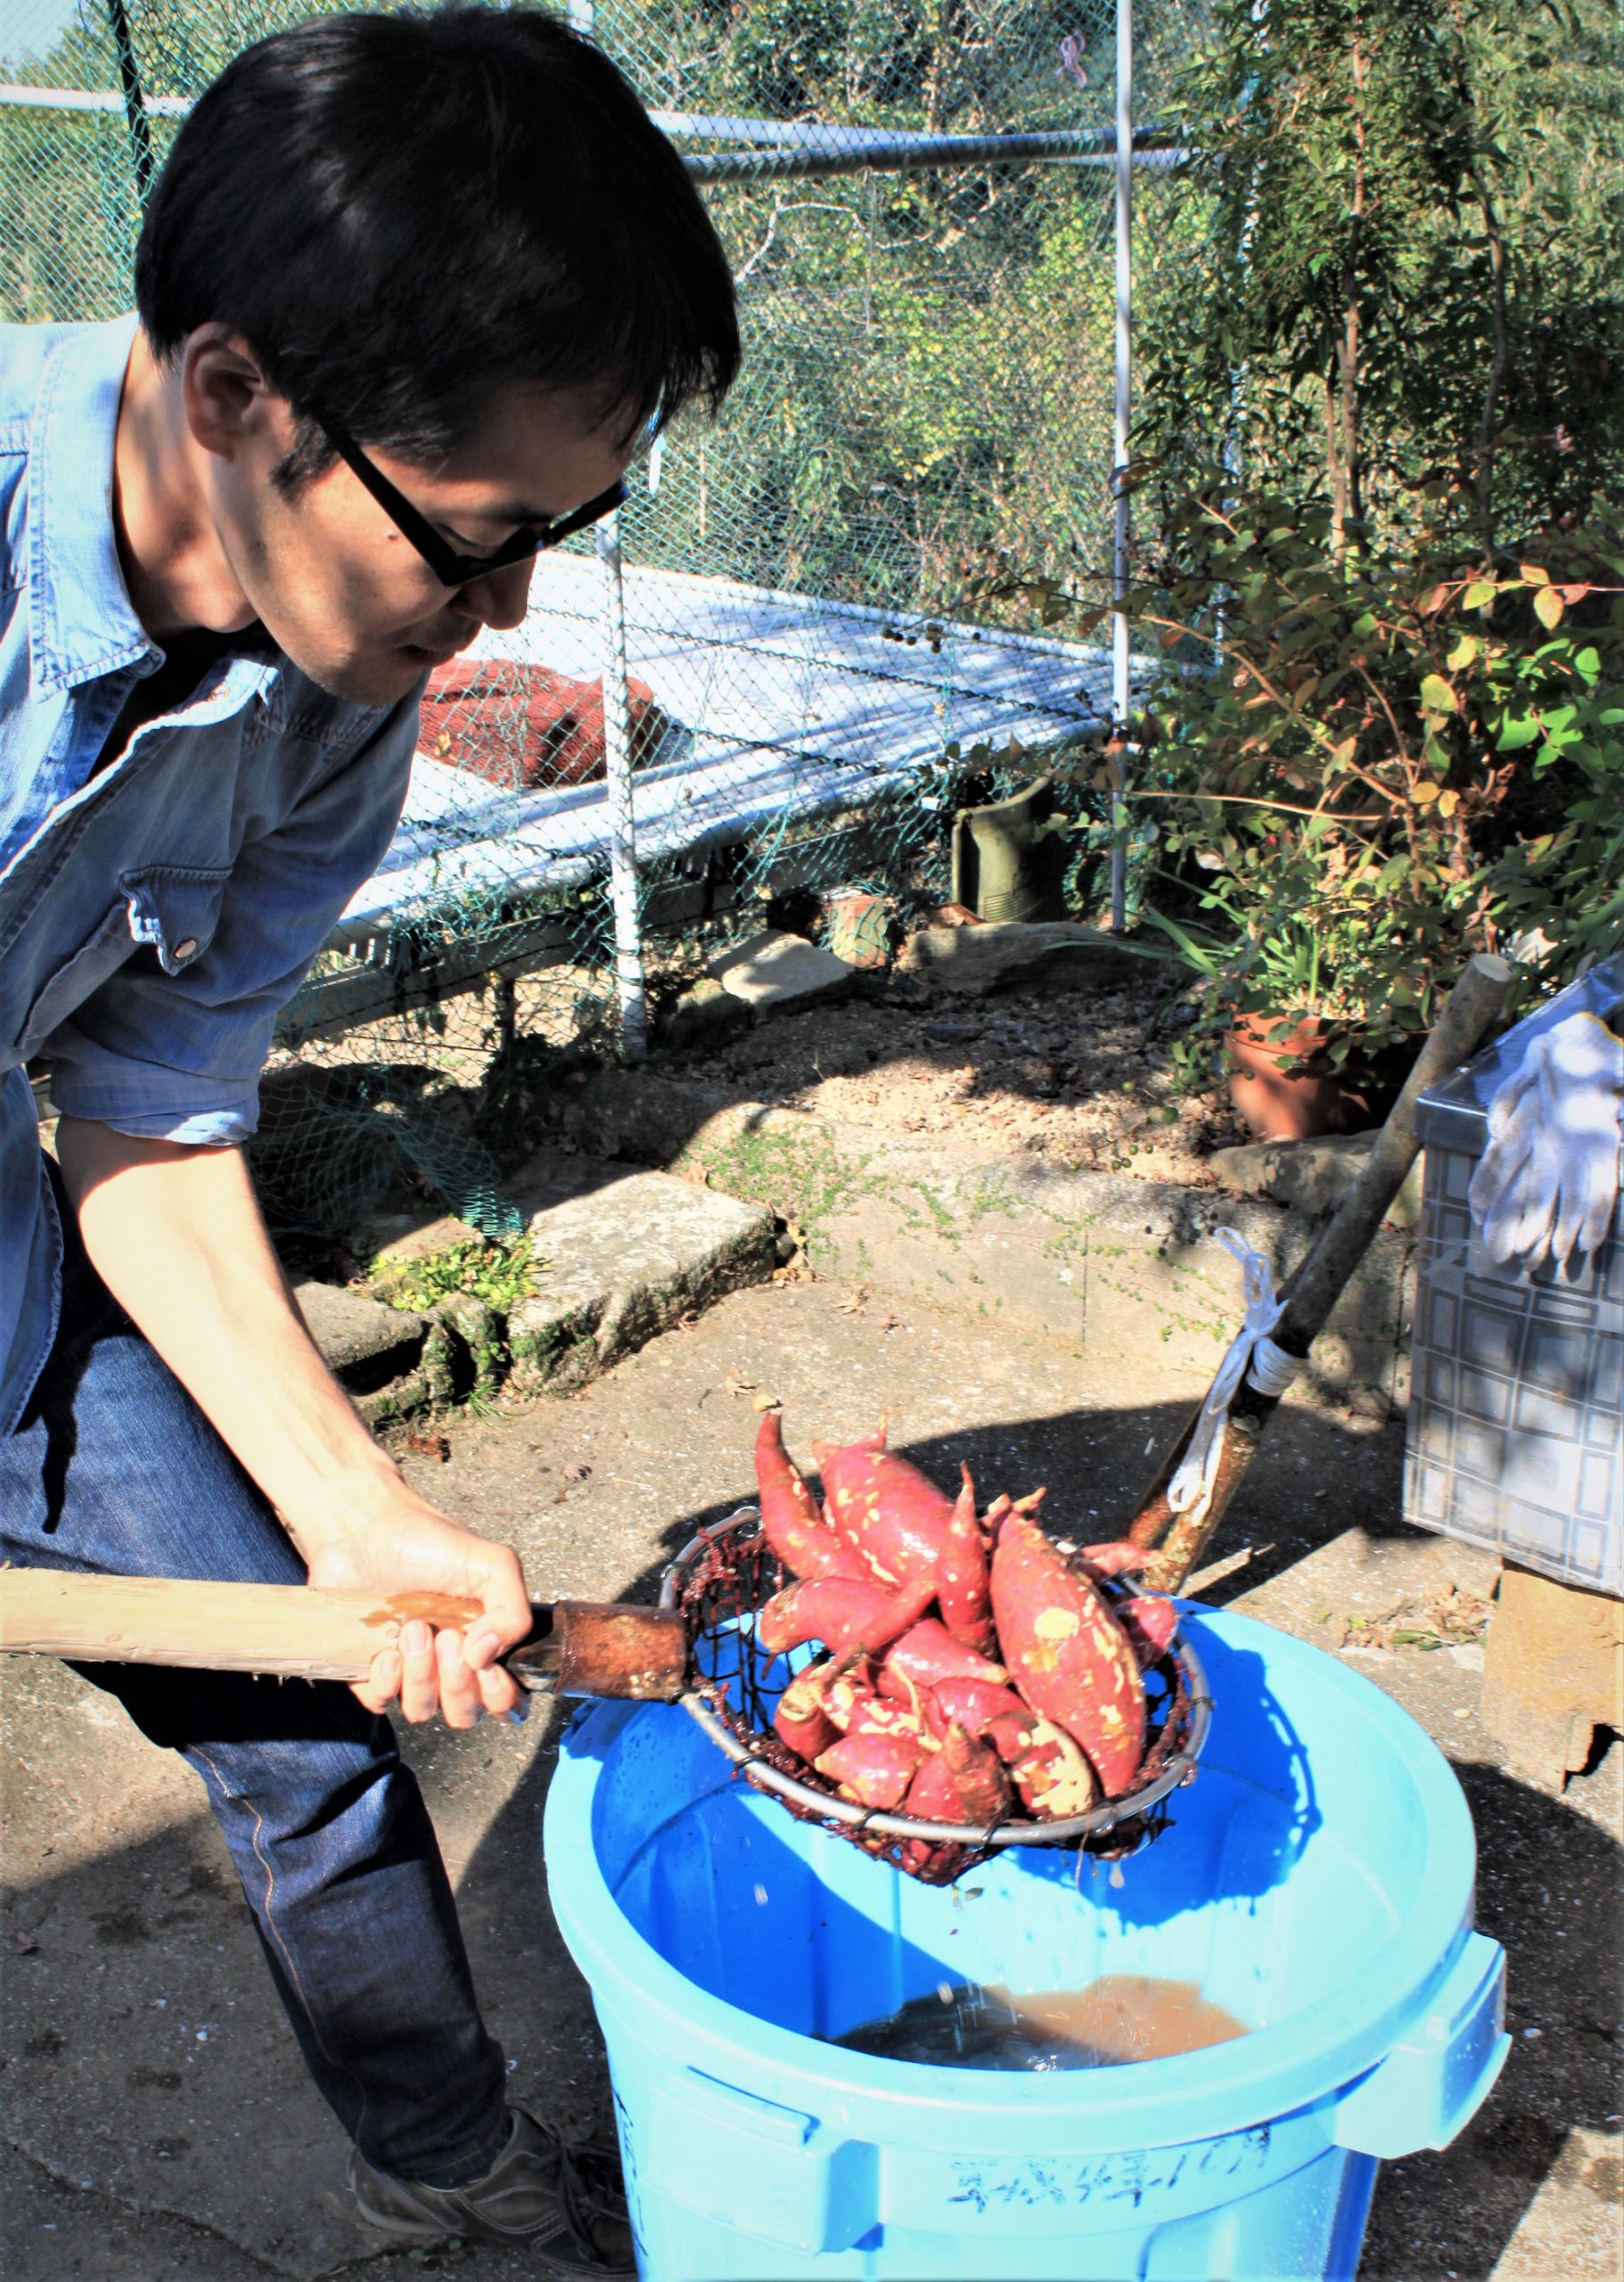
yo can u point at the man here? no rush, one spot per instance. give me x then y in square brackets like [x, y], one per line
[410, 289]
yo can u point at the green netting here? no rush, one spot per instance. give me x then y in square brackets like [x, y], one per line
[928, 384]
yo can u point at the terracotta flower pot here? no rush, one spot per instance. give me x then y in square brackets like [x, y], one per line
[1281, 1108]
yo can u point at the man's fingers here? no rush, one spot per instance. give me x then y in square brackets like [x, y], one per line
[381, 1685]
[459, 1692]
[420, 1672]
[499, 1691]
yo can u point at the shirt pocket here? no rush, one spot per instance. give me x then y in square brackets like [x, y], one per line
[173, 908]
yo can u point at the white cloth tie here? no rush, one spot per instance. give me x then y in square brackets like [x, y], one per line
[1252, 1357]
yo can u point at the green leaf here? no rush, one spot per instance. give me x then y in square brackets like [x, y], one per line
[1479, 594]
[1437, 696]
[1548, 606]
[1463, 653]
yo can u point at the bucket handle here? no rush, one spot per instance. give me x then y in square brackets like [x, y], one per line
[804, 2185]
[1433, 2083]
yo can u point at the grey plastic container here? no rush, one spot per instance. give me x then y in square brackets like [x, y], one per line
[1515, 1437]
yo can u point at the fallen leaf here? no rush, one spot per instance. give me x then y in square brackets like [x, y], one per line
[431, 1446]
[740, 1386]
[888, 1323]
[576, 1472]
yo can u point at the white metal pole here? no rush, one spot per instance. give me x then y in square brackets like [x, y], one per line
[1125, 341]
[618, 773]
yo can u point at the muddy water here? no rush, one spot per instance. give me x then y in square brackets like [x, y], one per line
[1121, 2017]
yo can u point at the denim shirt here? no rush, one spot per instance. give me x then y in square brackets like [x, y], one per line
[156, 915]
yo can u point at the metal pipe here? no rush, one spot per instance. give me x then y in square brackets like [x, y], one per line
[618, 789]
[777, 162]
[1124, 347]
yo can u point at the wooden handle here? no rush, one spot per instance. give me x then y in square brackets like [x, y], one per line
[293, 1632]
[1314, 1287]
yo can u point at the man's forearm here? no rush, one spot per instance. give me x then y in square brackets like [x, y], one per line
[176, 1234]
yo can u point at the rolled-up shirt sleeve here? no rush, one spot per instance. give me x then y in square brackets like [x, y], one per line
[177, 1055]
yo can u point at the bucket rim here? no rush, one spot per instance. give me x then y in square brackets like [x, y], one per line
[1309, 2057]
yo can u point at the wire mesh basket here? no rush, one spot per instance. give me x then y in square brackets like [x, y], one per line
[725, 1574]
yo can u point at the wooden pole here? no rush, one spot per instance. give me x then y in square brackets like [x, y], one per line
[1315, 1286]
[292, 1632]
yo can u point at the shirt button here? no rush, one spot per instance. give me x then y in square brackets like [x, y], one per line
[185, 950]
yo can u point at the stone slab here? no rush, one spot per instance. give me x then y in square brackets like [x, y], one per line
[362, 1342]
[997, 954]
[776, 970]
[1552, 1673]
[618, 1256]
[1313, 1176]
[1123, 1265]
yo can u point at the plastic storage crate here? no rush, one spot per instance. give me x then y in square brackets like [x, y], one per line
[1515, 1437]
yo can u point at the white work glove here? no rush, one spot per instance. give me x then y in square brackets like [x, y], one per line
[1549, 1177]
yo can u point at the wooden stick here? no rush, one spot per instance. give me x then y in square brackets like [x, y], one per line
[1314, 1287]
[291, 1633]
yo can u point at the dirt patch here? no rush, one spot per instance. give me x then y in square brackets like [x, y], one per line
[1073, 1071]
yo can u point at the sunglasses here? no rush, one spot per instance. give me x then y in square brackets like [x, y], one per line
[450, 568]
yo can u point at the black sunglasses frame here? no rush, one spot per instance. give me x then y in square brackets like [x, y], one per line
[450, 568]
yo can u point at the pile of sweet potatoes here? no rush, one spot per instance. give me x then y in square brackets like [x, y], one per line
[971, 1669]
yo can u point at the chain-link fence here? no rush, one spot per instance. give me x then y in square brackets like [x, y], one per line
[918, 202]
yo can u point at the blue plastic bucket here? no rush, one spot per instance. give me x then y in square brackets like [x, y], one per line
[1317, 1881]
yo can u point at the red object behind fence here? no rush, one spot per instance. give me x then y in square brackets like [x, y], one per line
[527, 726]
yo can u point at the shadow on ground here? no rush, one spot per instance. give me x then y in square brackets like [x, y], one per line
[147, 2073]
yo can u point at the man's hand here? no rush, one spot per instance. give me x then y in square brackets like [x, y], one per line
[176, 1237]
[404, 1547]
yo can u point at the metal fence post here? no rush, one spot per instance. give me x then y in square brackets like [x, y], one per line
[1125, 343]
[617, 774]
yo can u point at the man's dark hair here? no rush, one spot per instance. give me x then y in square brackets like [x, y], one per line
[402, 213]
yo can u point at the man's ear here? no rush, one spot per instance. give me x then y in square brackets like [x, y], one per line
[230, 404]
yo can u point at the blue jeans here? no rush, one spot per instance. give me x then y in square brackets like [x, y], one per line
[113, 1468]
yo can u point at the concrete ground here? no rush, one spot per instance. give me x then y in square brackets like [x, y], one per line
[157, 2121]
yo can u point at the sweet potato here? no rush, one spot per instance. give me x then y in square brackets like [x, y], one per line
[1067, 1655]
[876, 1770]
[1051, 1774]
[795, 1530]
[887, 1513]
[800, 1720]
[974, 1704]
[838, 1611]
[982, 1784]
[1117, 1558]
[933, 1794]
[1149, 1621]
[927, 1652]
[963, 1587]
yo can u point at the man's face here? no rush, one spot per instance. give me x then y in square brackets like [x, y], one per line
[347, 597]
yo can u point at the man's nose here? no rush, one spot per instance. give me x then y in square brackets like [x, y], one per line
[500, 598]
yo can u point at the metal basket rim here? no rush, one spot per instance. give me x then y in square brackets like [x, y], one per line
[763, 1776]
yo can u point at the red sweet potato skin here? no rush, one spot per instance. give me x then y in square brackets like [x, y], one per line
[1067, 1655]
[1117, 1558]
[795, 1529]
[927, 1652]
[982, 1784]
[1149, 1621]
[800, 1720]
[876, 1769]
[975, 1704]
[885, 1510]
[962, 1585]
[842, 1613]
